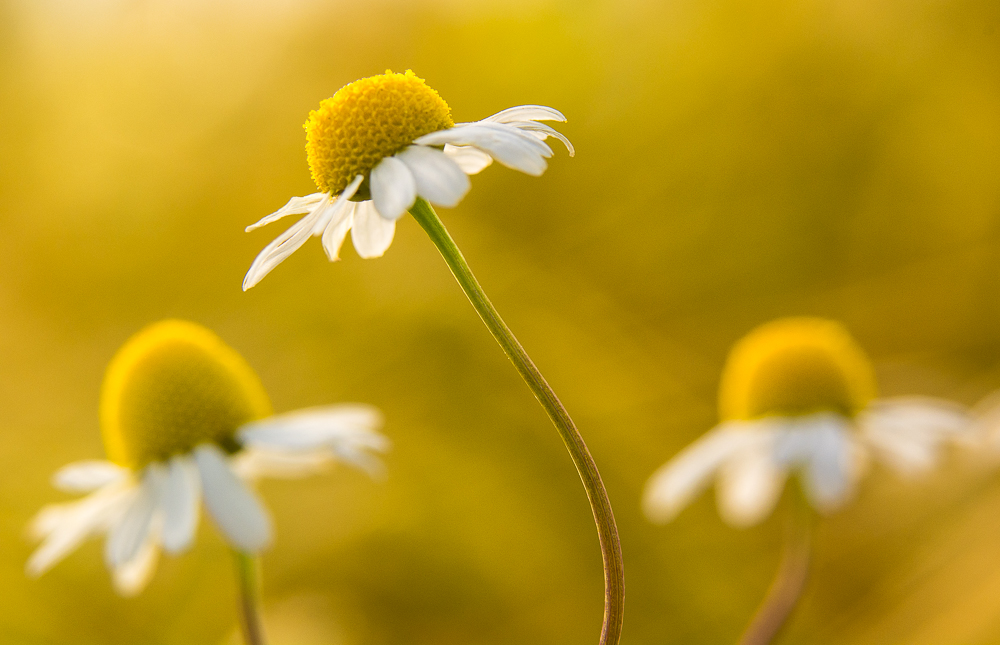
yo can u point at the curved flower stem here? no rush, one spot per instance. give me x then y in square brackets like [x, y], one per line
[248, 575]
[786, 588]
[607, 531]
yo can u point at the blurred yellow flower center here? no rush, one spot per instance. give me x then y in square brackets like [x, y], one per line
[795, 366]
[366, 121]
[172, 386]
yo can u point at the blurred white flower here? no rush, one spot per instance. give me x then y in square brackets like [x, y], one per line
[380, 143]
[169, 406]
[798, 398]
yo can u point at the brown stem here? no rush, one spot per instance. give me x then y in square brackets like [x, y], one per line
[786, 588]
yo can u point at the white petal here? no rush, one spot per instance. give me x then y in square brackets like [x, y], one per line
[372, 234]
[312, 427]
[393, 188]
[439, 180]
[181, 501]
[65, 526]
[345, 433]
[254, 463]
[282, 247]
[750, 485]
[49, 519]
[297, 234]
[334, 211]
[356, 455]
[234, 507]
[907, 432]
[484, 134]
[527, 113]
[542, 131]
[471, 160]
[295, 206]
[336, 231]
[505, 143]
[677, 482]
[830, 474]
[822, 447]
[132, 529]
[86, 476]
[985, 428]
[132, 577]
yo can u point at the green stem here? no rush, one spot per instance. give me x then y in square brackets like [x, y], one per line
[248, 576]
[790, 580]
[607, 531]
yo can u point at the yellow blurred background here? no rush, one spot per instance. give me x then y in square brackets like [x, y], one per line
[738, 160]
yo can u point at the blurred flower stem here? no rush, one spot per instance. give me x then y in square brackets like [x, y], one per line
[786, 589]
[248, 576]
[607, 530]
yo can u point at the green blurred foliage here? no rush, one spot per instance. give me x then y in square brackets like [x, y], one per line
[738, 160]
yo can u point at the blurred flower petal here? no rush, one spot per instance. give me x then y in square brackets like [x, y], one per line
[181, 501]
[132, 577]
[234, 507]
[129, 533]
[908, 432]
[65, 526]
[750, 484]
[86, 476]
[677, 482]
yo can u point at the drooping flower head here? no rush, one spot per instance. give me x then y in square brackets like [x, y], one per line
[367, 121]
[184, 420]
[795, 366]
[799, 395]
[381, 142]
[171, 387]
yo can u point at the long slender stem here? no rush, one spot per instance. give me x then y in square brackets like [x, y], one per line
[607, 531]
[790, 580]
[248, 576]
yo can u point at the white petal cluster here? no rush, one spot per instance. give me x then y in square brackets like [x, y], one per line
[751, 460]
[435, 167]
[159, 506]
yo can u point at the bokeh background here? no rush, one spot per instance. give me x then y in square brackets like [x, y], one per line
[738, 160]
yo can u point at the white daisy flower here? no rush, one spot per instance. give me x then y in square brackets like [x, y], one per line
[185, 420]
[381, 142]
[798, 396]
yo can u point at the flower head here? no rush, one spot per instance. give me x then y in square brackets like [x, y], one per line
[185, 420]
[367, 121]
[171, 387]
[795, 366]
[381, 142]
[799, 395]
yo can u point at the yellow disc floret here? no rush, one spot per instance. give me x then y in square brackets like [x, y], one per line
[173, 386]
[795, 366]
[366, 121]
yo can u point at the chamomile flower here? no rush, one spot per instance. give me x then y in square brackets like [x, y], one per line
[185, 420]
[798, 395]
[381, 142]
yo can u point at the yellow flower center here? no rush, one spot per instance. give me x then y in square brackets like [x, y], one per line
[367, 121]
[794, 366]
[173, 386]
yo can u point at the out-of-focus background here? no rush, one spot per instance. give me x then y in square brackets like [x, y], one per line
[738, 160]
